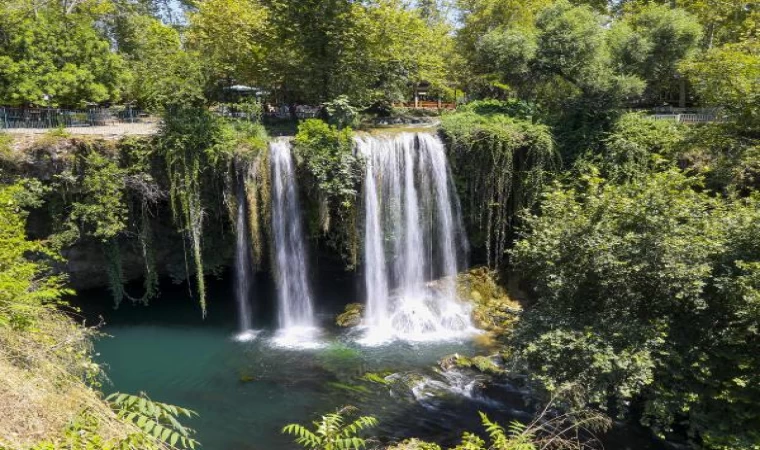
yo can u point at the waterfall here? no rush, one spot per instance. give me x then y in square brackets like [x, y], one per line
[295, 309]
[413, 240]
[242, 261]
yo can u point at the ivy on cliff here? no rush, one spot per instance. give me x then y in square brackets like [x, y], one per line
[500, 165]
[194, 144]
[325, 153]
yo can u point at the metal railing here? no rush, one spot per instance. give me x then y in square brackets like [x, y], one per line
[48, 118]
[687, 118]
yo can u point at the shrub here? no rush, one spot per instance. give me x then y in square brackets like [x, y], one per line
[325, 153]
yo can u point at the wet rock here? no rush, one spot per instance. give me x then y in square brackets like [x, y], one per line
[414, 444]
[485, 364]
[493, 309]
[351, 316]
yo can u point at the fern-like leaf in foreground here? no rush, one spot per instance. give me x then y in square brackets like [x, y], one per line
[156, 420]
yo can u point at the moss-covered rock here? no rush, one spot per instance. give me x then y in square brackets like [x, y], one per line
[351, 316]
[414, 444]
[377, 378]
[493, 309]
[485, 364]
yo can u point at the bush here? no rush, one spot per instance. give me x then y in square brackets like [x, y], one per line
[639, 144]
[325, 153]
[341, 113]
[513, 108]
[647, 293]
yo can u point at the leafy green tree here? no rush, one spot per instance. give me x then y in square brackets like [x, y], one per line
[505, 57]
[723, 21]
[582, 92]
[558, 59]
[646, 295]
[727, 77]
[369, 51]
[320, 46]
[53, 54]
[27, 285]
[163, 73]
[331, 432]
[404, 51]
[651, 42]
[230, 38]
[480, 17]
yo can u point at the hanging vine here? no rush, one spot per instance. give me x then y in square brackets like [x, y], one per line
[96, 185]
[332, 176]
[500, 165]
[144, 195]
[191, 141]
[258, 196]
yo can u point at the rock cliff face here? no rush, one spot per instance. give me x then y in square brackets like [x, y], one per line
[73, 191]
[86, 184]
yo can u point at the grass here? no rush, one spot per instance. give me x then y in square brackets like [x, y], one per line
[44, 390]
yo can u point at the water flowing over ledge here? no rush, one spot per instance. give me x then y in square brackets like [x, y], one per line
[243, 267]
[295, 314]
[413, 234]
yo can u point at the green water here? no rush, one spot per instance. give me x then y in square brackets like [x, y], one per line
[245, 392]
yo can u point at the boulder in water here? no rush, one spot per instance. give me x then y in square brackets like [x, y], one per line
[351, 316]
[493, 309]
[484, 364]
[414, 444]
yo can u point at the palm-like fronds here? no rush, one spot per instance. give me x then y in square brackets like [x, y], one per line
[572, 430]
[155, 419]
[331, 433]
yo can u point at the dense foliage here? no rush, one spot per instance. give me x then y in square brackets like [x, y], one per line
[647, 294]
[51, 55]
[22, 296]
[49, 389]
[333, 175]
[501, 164]
[639, 248]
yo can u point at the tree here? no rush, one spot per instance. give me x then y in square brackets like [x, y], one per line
[404, 51]
[647, 295]
[27, 286]
[727, 77]
[369, 51]
[651, 42]
[724, 21]
[230, 38]
[54, 55]
[582, 91]
[163, 73]
[320, 48]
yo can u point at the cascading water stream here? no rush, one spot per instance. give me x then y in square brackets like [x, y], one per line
[413, 235]
[295, 308]
[242, 265]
